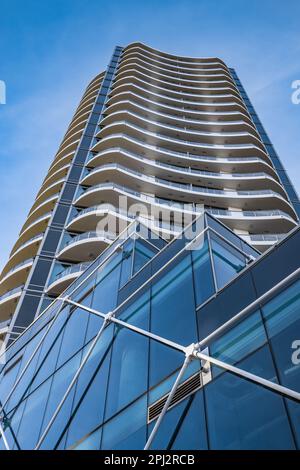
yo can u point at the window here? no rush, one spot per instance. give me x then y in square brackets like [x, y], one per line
[243, 415]
[203, 277]
[88, 407]
[129, 364]
[172, 317]
[127, 430]
[239, 341]
[142, 253]
[282, 317]
[228, 262]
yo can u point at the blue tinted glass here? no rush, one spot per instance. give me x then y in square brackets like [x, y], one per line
[126, 262]
[105, 295]
[88, 406]
[167, 428]
[172, 317]
[228, 262]
[50, 348]
[142, 254]
[240, 340]
[32, 417]
[191, 434]
[204, 284]
[60, 383]
[282, 318]
[92, 442]
[244, 415]
[74, 331]
[128, 429]
[129, 364]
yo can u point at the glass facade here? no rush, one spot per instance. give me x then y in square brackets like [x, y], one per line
[158, 296]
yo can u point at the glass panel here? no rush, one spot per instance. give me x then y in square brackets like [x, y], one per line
[228, 262]
[126, 262]
[203, 277]
[127, 430]
[74, 331]
[88, 407]
[240, 340]
[105, 295]
[192, 431]
[129, 364]
[92, 442]
[172, 317]
[33, 416]
[50, 349]
[282, 317]
[60, 383]
[168, 426]
[142, 254]
[243, 415]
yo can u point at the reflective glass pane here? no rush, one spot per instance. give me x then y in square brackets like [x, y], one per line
[282, 319]
[128, 429]
[203, 277]
[228, 262]
[244, 415]
[172, 317]
[88, 406]
[129, 364]
[239, 341]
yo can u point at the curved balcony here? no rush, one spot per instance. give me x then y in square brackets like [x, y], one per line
[143, 168]
[57, 175]
[59, 162]
[44, 207]
[37, 226]
[68, 149]
[65, 278]
[182, 67]
[173, 143]
[134, 83]
[172, 58]
[179, 110]
[178, 74]
[172, 130]
[48, 192]
[137, 74]
[245, 200]
[190, 83]
[16, 275]
[250, 221]
[107, 145]
[129, 106]
[255, 221]
[263, 241]
[88, 218]
[86, 246]
[206, 103]
[27, 250]
[8, 302]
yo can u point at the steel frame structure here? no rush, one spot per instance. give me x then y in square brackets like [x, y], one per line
[194, 351]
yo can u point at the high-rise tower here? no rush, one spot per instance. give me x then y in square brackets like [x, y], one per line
[165, 131]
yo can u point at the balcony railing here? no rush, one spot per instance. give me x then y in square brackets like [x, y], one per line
[11, 292]
[76, 268]
[19, 265]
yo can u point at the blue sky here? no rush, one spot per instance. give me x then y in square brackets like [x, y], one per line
[50, 49]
